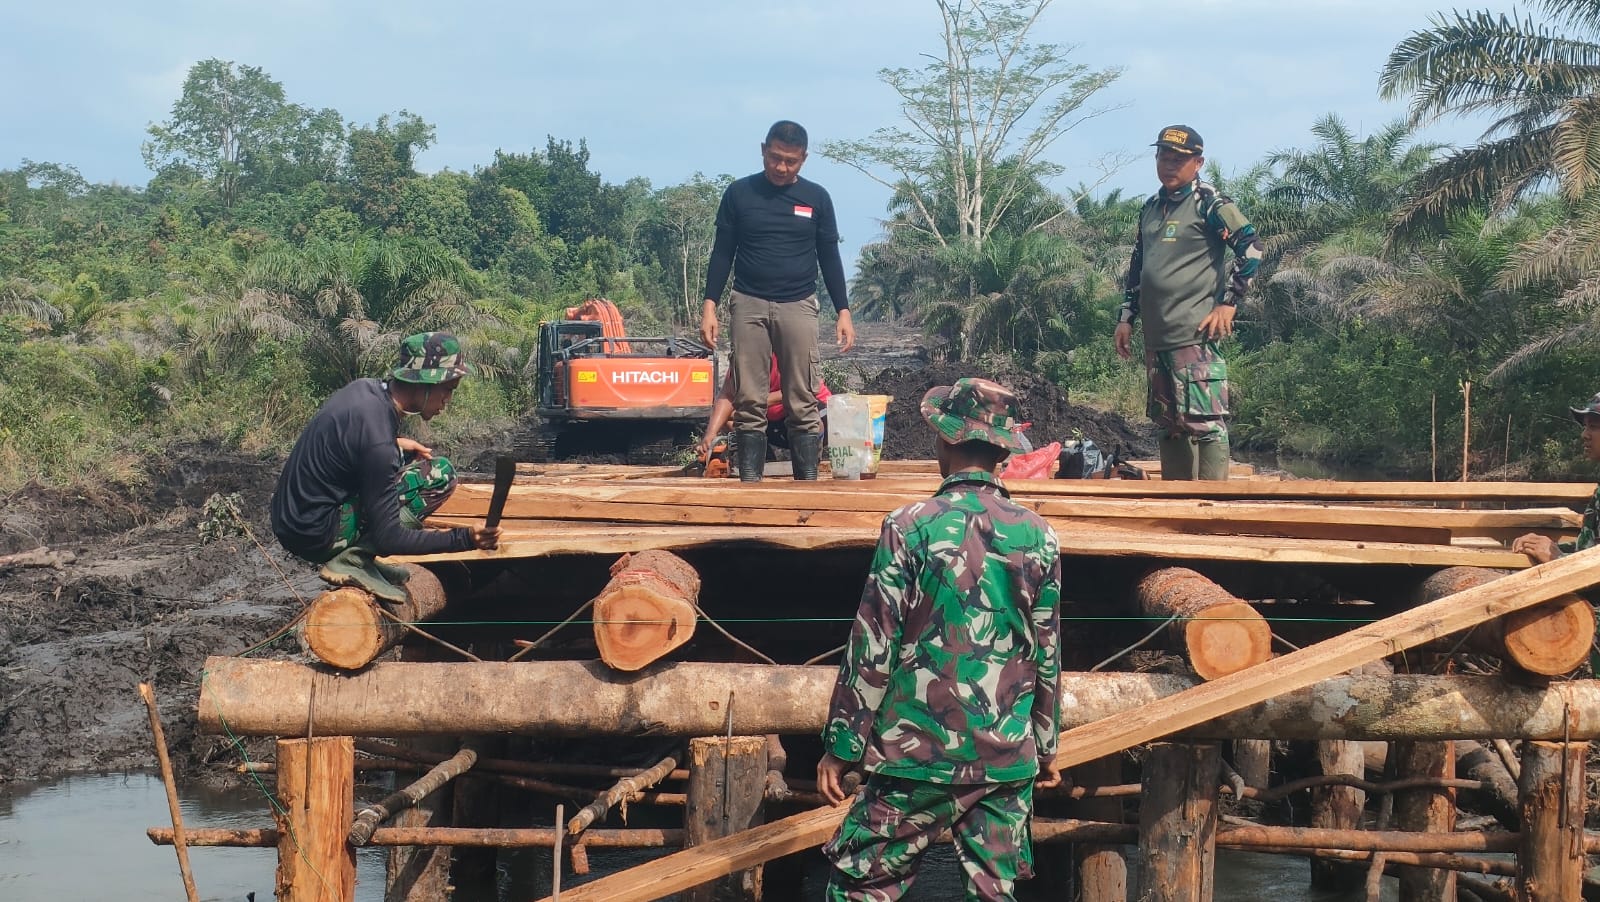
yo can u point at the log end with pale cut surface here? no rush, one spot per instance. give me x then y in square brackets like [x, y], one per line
[343, 628]
[1227, 638]
[1551, 639]
[638, 625]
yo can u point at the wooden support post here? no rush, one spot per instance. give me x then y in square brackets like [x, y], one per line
[1178, 822]
[1425, 811]
[727, 780]
[346, 627]
[1550, 639]
[1252, 758]
[422, 873]
[1550, 859]
[316, 793]
[1220, 634]
[1102, 869]
[1338, 808]
[646, 610]
[474, 871]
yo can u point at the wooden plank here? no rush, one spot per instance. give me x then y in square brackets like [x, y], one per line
[696, 865]
[1334, 656]
[538, 500]
[539, 540]
[1518, 493]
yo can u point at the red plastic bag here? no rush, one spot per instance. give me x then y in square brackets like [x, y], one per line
[1036, 464]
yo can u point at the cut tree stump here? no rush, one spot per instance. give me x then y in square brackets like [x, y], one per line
[1220, 634]
[346, 627]
[646, 610]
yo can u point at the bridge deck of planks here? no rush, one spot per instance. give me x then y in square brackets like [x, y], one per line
[591, 509]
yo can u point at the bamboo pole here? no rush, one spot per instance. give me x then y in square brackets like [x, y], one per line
[620, 792]
[148, 693]
[1466, 429]
[369, 818]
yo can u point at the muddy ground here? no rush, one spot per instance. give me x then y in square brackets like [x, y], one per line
[159, 582]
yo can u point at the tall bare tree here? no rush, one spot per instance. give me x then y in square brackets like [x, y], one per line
[978, 119]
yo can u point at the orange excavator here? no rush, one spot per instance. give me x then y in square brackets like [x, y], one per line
[602, 391]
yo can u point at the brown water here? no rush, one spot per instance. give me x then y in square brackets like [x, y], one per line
[82, 838]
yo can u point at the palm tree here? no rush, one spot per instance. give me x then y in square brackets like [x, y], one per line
[1538, 79]
[345, 306]
[1344, 184]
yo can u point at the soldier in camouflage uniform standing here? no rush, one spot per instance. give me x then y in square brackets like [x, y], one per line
[1543, 548]
[1177, 281]
[353, 488]
[949, 696]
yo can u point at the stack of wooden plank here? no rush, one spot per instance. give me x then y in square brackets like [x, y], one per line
[557, 509]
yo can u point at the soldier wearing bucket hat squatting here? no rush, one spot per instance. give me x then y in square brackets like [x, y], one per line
[1543, 548]
[948, 696]
[1177, 282]
[353, 488]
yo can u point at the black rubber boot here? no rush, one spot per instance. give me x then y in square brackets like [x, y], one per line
[805, 453]
[752, 450]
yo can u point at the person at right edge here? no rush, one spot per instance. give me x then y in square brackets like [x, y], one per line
[774, 230]
[1178, 282]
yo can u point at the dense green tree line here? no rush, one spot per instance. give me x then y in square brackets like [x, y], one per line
[279, 250]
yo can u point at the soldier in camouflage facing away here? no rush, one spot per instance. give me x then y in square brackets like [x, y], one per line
[1177, 281]
[949, 696]
[353, 488]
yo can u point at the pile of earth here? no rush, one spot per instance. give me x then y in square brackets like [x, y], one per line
[1044, 404]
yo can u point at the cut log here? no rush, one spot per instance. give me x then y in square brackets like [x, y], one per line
[316, 790]
[727, 780]
[1497, 794]
[1102, 868]
[586, 698]
[1425, 811]
[1337, 808]
[1550, 639]
[1550, 858]
[1326, 659]
[346, 627]
[1178, 823]
[646, 610]
[1220, 634]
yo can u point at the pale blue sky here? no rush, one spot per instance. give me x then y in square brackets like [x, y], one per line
[664, 90]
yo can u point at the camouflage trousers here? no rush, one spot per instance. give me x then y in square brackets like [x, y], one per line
[1188, 391]
[423, 485]
[892, 821]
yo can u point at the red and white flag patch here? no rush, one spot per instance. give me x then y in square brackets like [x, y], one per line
[802, 211]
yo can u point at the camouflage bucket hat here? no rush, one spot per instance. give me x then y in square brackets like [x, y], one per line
[430, 358]
[1579, 413]
[975, 409]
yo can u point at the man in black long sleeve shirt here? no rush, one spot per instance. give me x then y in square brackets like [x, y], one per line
[774, 229]
[346, 492]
